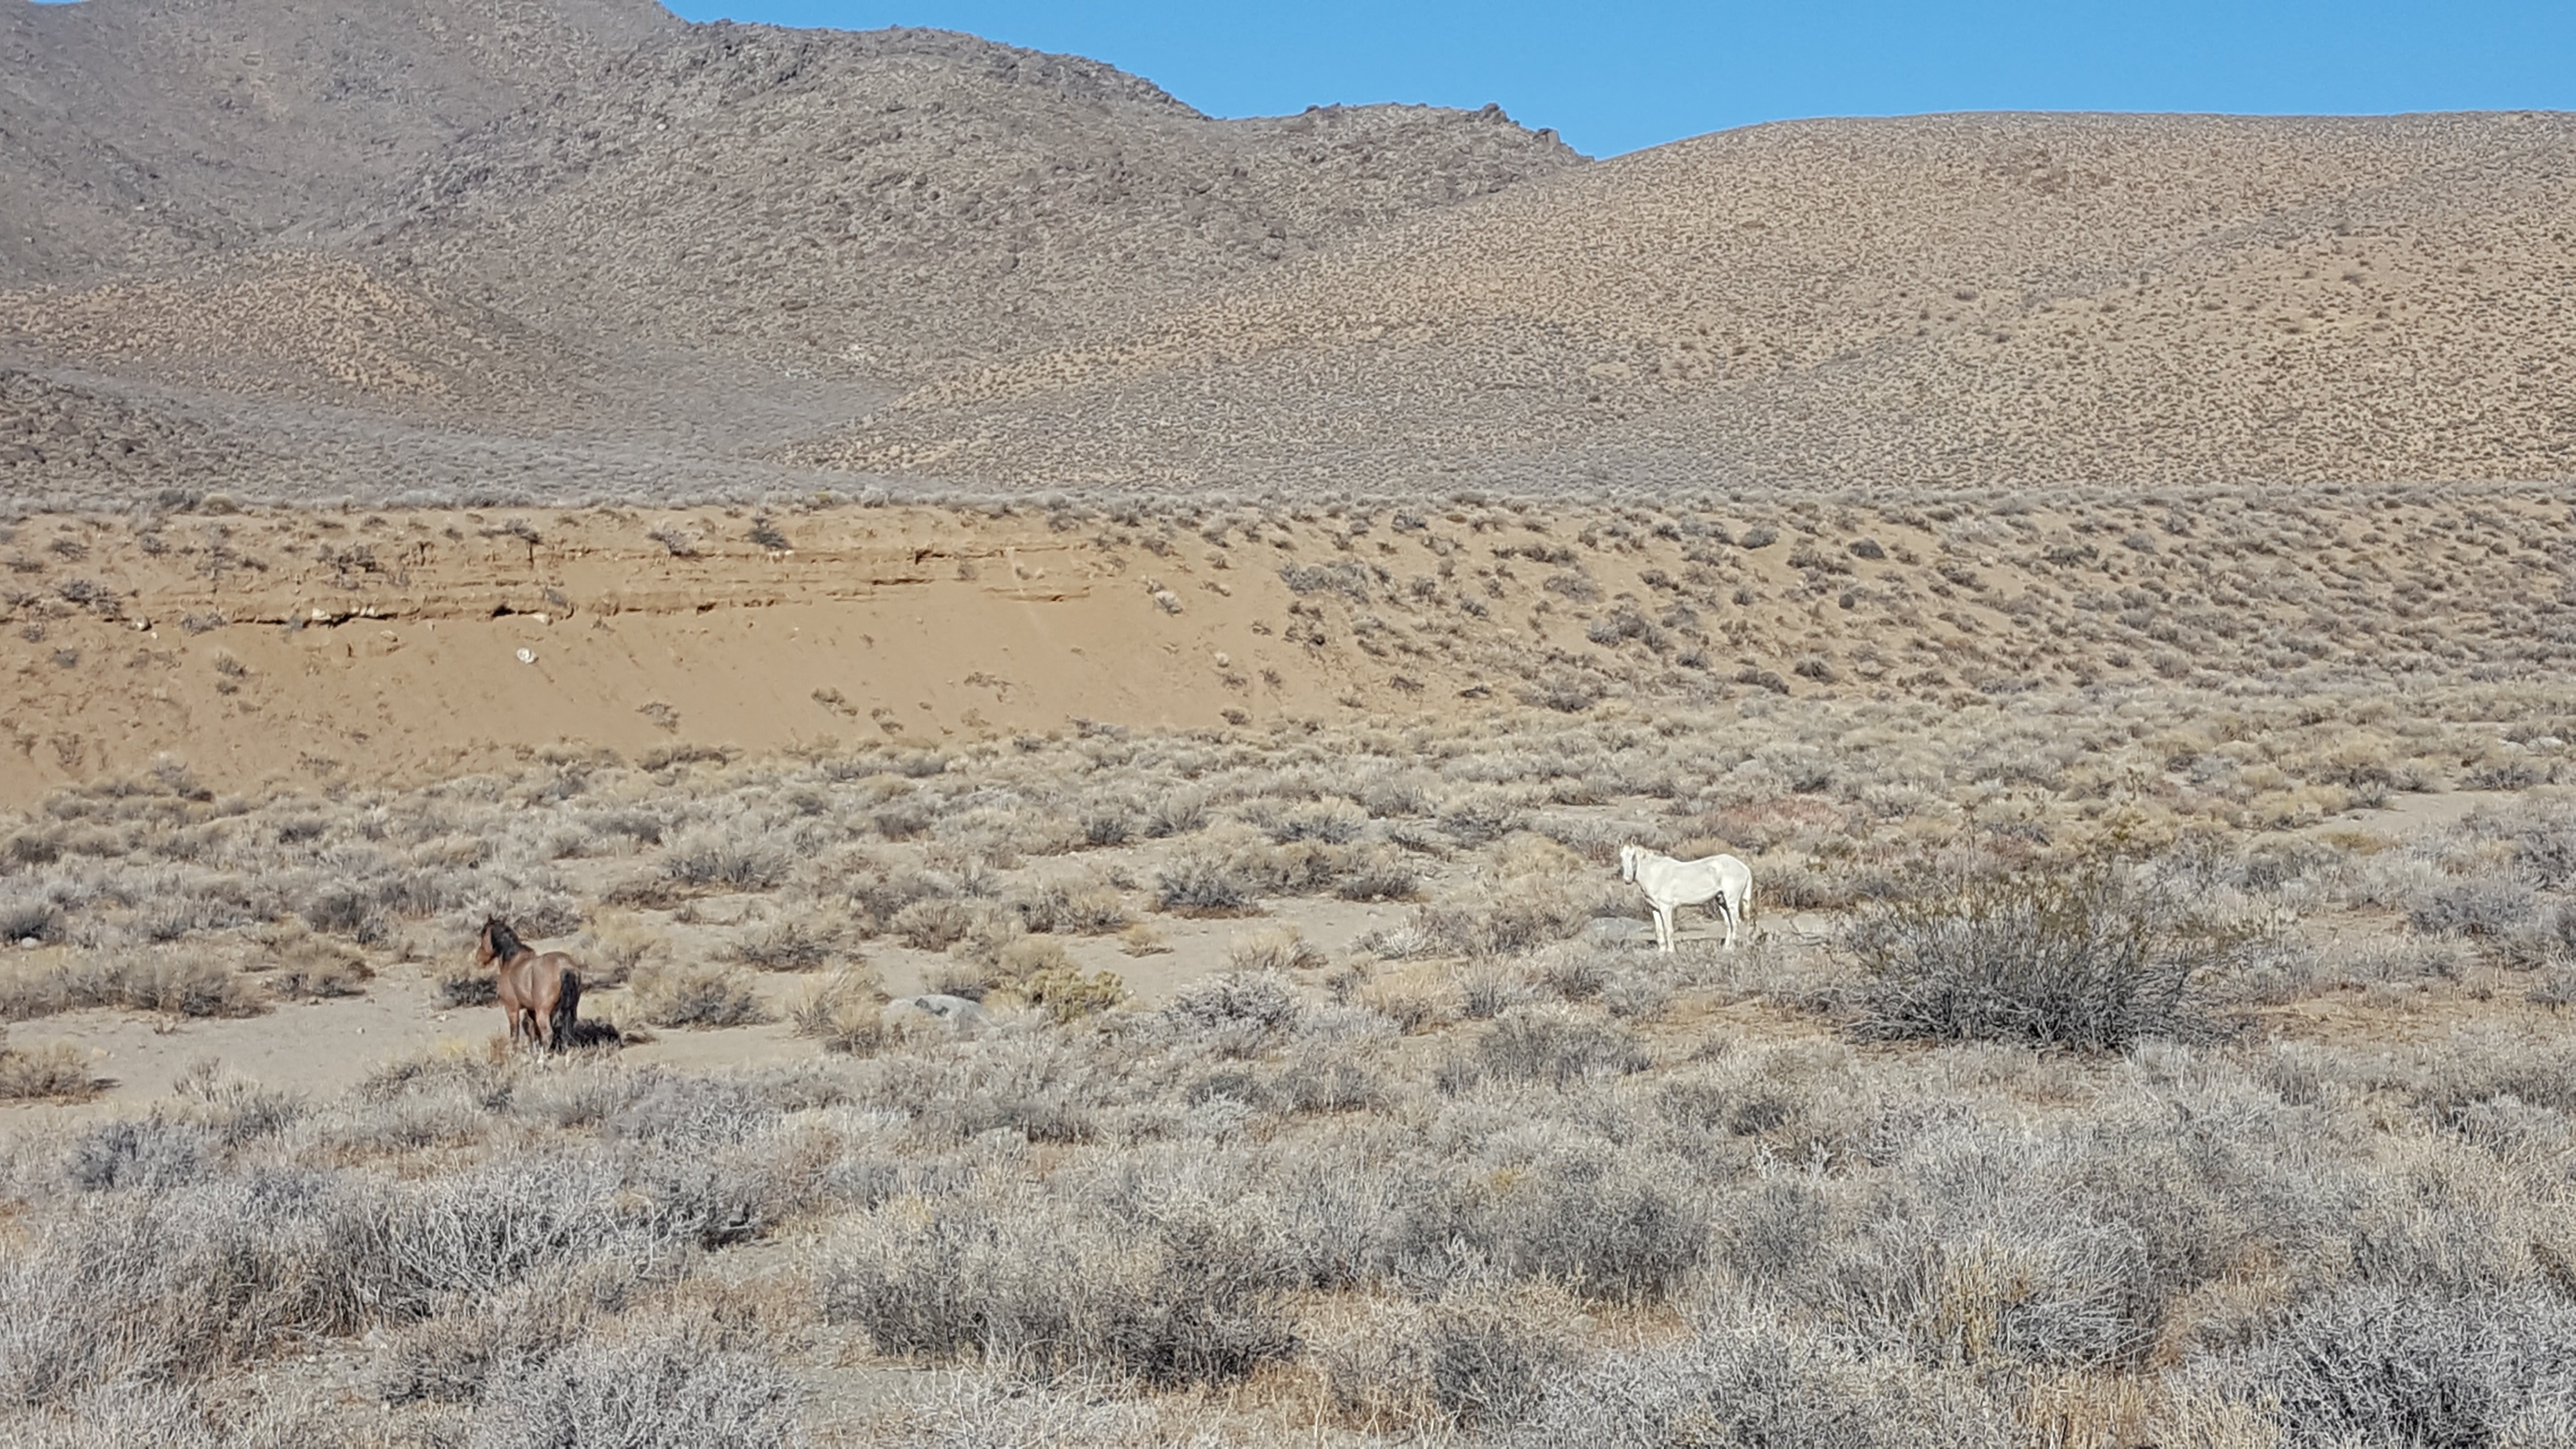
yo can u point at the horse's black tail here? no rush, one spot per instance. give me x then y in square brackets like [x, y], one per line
[567, 1009]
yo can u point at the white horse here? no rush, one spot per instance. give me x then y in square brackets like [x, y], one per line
[1669, 883]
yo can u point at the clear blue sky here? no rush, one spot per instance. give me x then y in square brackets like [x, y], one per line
[1619, 75]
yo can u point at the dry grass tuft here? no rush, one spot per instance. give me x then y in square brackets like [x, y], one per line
[1279, 948]
[1084, 903]
[174, 982]
[51, 1071]
[790, 945]
[615, 947]
[931, 925]
[303, 966]
[1205, 882]
[1067, 994]
[696, 994]
[845, 1011]
[1144, 938]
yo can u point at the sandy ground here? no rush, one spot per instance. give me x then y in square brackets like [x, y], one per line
[339, 650]
[427, 645]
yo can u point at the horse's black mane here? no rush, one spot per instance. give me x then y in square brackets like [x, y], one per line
[505, 942]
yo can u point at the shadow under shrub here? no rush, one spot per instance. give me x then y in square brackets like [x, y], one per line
[2087, 961]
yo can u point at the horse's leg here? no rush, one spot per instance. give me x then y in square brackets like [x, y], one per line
[1663, 927]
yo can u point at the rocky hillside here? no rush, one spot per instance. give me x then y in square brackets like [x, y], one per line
[585, 216]
[581, 250]
[1940, 302]
[900, 202]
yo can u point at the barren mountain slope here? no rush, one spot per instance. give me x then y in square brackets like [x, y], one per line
[1937, 300]
[891, 200]
[170, 170]
[136, 132]
[619, 254]
[581, 250]
[303, 326]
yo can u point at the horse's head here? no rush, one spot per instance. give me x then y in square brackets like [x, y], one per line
[1628, 863]
[496, 942]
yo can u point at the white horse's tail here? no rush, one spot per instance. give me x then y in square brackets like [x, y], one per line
[1748, 902]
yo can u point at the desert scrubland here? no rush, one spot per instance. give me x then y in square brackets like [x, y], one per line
[2152, 1066]
[813, 524]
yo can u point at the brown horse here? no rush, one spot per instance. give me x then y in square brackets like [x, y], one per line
[540, 994]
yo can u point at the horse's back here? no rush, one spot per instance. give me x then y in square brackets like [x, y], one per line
[1682, 882]
[534, 980]
[556, 973]
[1696, 882]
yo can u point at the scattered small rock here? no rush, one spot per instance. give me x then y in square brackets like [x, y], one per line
[955, 1012]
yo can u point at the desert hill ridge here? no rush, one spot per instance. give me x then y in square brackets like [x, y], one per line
[909, 201]
[1935, 301]
[583, 250]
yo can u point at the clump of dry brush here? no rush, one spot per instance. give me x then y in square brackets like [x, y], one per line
[2085, 958]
